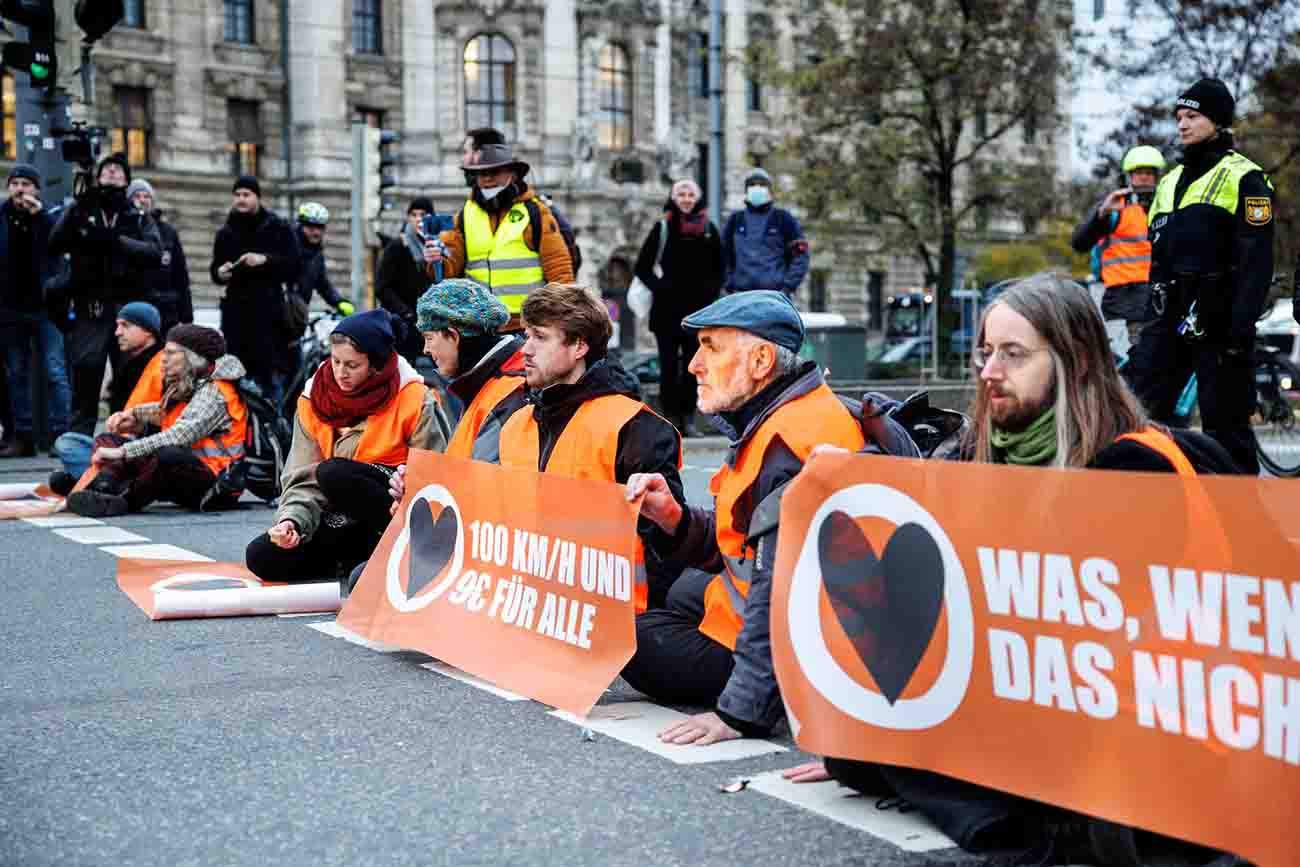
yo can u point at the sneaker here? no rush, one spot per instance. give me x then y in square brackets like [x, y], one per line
[62, 482]
[97, 504]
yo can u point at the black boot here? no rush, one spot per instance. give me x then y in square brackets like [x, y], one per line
[20, 447]
[105, 497]
[62, 482]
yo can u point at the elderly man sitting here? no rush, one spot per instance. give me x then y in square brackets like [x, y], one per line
[182, 443]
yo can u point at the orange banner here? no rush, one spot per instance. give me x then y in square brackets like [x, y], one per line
[1122, 644]
[523, 579]
[28, 500]
[182, 589]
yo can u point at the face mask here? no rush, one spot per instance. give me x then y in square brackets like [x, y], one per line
[758, 195]
[490, 193]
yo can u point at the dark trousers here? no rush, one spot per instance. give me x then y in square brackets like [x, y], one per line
[347, 534]
[674, 662]
[676, 383]
[172, 474]
[1160, 366]
[90, 344]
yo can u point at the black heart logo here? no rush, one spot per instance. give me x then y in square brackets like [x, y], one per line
[888, 607]
[432, 545]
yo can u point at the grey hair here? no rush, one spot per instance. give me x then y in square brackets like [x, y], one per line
[786, 361]
[194, 360]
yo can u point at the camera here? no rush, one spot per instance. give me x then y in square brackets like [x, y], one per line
[81, 145]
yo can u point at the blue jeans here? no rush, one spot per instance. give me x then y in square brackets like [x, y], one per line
[74, 450]
[59, 391]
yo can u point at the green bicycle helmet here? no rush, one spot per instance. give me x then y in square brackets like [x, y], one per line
[313, 214]
[1143, 157]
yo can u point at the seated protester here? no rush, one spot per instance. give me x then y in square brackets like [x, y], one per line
[1039, 334]
[710, 645]
[138, 379]
[200, 422]
[586, 420]
[357, 418]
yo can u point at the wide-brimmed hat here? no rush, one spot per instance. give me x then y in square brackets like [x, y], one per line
[495, 156]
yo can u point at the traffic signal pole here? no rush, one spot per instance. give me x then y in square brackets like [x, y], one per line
[359, 175]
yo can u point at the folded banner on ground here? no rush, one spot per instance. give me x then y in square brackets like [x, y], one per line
[27, 500]
[1122, 644]
[523, 579]
[172, 590]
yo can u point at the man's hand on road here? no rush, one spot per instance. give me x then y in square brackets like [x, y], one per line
[397, 488]
[284, 535]
[702, 729]
[659, 504]
[1115, 202]
[808, 772]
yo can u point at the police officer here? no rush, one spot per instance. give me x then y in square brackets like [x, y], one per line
[1211, 227]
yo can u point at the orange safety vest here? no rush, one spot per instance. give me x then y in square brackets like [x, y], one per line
[802, 424]
[1126, 251]
[219, 451]
[1159, 441]
[495, 390]
[384, 441]
[587, 449]
[149, 387]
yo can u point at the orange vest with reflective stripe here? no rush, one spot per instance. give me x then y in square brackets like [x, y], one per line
[1159, 441]
[219, 451]
[802, 424]
[495, 390]
[586, 449]
[384, 441]
[149, 387]
[1126, 251]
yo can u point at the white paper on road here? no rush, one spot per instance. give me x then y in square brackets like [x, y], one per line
[104, 535]
[155, 552]
[639, 723]
[246, 601]
[476, 682]
[911, 832]
[63, 521]
[333, 630]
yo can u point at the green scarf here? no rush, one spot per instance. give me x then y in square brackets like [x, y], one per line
[1035, 445]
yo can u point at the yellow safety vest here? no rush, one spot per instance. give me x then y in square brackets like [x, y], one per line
[502, 261]
[1219, 186]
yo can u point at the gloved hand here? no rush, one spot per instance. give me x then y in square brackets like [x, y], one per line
[346, 308]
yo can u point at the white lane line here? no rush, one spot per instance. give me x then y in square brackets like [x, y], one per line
[306, 614]
[333, 630]
[63, 521]
[478, 683]
[100, 535]
[155, 552]
[638, 723]
[910, 832]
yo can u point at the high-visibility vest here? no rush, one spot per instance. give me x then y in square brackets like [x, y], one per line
[221, 450]
[384, 441]
[495, 390]
[1126, 251]
[501, 261]
[586, 449]
[802, 424]
[1159, 441]
[1220, 186]
[149, 387]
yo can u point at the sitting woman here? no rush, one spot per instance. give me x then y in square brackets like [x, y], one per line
[357, 418]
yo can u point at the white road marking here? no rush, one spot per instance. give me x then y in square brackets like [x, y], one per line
[332, 629]
[63, 521]
[478, 683]
[639, 722]
[306, 614]
[156, 552]
[99, 535]
[911, 832]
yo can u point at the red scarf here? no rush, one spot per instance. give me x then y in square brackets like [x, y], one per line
[338, 408]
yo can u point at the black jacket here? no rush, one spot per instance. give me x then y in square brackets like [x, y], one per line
[1204, 452]
[691, 266]
[401, 279]
[313, 275]
[25, 261]
[113, 247]
[128, 373]
[169, 284]
[252, 311]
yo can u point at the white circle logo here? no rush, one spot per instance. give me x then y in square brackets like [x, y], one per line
[429, 552]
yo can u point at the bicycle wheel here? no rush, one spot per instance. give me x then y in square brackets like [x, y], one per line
[1277, 415]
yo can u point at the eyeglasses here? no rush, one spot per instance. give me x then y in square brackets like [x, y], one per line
[1012, 355]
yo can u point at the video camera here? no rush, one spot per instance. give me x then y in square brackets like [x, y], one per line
[81, 145]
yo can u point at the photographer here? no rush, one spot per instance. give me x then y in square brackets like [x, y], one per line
[113, 249]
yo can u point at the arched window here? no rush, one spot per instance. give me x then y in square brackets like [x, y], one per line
[490, 83]
[614, 98]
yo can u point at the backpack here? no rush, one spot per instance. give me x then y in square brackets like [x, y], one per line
[266, 443]
[911, 428]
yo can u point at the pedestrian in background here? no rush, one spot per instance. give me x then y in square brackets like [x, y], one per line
[168, 287]
[113, 248]
[681, 263]
[254, 256]
[763, 245]
[401, 279]
[25, 265]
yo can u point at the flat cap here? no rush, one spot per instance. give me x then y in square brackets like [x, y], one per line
[762, 312]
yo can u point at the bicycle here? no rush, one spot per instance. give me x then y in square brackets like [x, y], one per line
[315, 348]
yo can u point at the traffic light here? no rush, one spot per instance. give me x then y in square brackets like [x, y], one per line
[378, 171]
[36, 56]
[97, 17]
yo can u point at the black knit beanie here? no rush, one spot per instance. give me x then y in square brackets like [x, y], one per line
[1210, 97]
[247, 182]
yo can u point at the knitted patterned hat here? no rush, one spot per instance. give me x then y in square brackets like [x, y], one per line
[203, 341]
[461, 304]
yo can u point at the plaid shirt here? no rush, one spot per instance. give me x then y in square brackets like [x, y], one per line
[205, 415]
